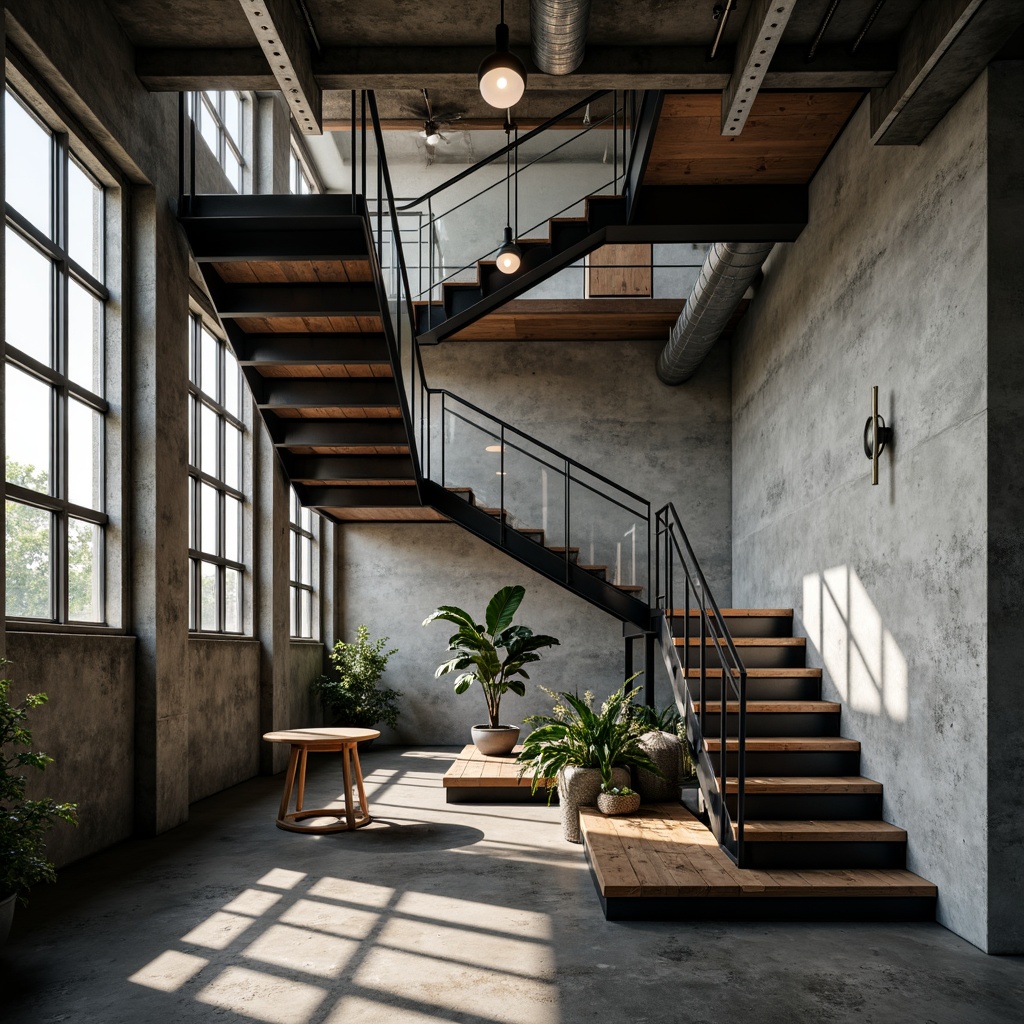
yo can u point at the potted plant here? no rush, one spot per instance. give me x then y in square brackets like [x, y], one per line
[476, 655]
[582, 748]
[351, 696]
[661, 742]
[23, 823]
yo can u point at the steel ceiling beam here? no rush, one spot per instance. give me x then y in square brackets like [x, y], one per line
[285, 41]
[759, 39]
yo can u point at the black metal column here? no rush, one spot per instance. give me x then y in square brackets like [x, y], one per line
[649, 669]
[629, 661]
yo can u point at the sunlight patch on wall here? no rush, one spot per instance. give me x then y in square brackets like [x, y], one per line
[860, 654]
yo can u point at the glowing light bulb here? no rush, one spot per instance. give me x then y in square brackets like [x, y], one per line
[502, 83]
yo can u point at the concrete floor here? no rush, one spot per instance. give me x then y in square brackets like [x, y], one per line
[435, 913]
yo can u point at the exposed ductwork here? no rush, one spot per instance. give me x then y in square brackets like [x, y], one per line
[728, 270]
[559, 29]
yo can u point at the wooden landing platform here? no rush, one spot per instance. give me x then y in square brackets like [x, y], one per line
[664, 864]
[474, 778]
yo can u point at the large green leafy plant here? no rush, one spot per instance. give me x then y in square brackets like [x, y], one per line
[351, 696]
[23, 823]
[577, 735]
[476, 649]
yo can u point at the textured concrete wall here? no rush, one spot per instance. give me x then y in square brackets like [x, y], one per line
[885, 286]
[223, 714]
[600, 404]
[88, 728]
[305, 663]
[1005, 497]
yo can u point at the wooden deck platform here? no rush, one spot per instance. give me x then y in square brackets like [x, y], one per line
[664, 864]
[474, 778]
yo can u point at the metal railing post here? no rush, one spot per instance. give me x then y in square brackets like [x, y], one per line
[566, 538]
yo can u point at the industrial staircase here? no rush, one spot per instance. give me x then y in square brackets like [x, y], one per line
[333, 363]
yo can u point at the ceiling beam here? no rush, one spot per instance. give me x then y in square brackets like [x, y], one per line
[946, 46]
[285, 43]
[417, 67]
[759, 39]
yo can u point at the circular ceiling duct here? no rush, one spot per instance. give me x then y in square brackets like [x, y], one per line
[559, 29]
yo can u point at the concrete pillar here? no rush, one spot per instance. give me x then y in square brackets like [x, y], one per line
[1005, 798]
[159, 511]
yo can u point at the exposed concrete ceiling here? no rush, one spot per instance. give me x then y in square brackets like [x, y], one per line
[918, 55]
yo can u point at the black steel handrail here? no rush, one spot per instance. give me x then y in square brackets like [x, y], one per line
[511, 147]
[671, 540]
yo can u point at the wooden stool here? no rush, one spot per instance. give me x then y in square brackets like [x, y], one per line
[323, 741]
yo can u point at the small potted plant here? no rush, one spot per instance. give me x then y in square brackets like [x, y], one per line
[584, 749]
[23, 823]
[351, 696]
[617, 799]
[476, 656]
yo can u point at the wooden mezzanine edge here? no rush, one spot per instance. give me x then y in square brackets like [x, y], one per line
[474, 777]
[663, 864]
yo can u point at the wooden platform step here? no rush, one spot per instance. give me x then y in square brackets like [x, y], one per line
[663, 864]
[475, 778]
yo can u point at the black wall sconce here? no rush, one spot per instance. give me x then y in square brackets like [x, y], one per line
[876, 435]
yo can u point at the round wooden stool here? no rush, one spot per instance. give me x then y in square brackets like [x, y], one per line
[326, 741]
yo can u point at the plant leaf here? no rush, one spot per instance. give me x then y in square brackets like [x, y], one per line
[502, 608]
[450, 613]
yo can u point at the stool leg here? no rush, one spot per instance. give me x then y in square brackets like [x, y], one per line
[346, 771]
[359, 783]
[289, 782]
[302, 780]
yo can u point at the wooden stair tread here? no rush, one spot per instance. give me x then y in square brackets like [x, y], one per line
[629, 588]
[793, 743]
[562, 550]
[767, 707]
[593, 568]
[806, 784]
[826, 831]
[740, 613]
[761, 673]
[663, 851]
[747, 641]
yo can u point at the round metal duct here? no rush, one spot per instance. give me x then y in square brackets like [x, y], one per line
[559, 29]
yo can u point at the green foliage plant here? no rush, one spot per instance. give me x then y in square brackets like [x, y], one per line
[651, 719]
[476, 649]
[575, 734]
[351, 694]
[23, 823]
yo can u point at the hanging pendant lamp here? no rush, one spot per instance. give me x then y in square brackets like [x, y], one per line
[502, 75]
[510, 257]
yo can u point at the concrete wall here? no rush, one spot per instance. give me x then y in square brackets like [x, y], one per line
[598, 403]
[886, 286]
[305, 663]
[87, 726]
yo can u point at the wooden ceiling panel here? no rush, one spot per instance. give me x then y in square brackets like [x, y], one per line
[296, 271]
[786, 137]
[310, 324]
[333, 370]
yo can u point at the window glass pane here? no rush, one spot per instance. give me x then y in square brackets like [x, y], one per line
[85, 321]
[208, 520]
[233, 169]
[208, 596]
[208, 420]
[306, 626]
[85, 220]
[293, 606]
[84, 540]
[28, 281]
[28, 165]
[191, 430]
[209, 350]
[208, 125]
[293, 506]
[232, 528]
[85, 436]
[232, 455]
[306, 520]
[232, 601]
[307, 561]
[28, 561]
[28, 430]
[233, 117]
[192, 541]
[192, 624]
[292, 571]
[232, 386]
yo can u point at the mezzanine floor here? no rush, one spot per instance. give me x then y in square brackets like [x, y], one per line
[435, 914]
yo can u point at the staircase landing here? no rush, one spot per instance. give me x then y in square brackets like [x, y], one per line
[663, 864]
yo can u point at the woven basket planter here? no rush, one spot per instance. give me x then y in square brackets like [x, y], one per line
[579, 787]
[663, 748]
[618, 803]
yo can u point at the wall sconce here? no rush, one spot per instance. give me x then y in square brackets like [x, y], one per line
[876, 435]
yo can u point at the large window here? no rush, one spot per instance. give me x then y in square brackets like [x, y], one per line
[216, 497]
[303, 572]
[300, 181]
[54, 383]
[219, 118]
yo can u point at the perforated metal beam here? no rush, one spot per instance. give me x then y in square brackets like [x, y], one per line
[759, 39]
[285, 42]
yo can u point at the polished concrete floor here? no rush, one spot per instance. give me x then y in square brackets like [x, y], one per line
[436, 913]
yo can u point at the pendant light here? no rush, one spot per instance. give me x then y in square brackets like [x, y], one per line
[502, 75]
[509, 256]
